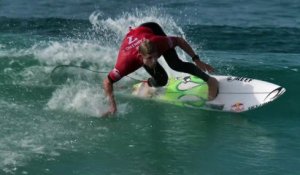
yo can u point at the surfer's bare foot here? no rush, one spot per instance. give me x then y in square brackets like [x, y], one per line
[213, 86]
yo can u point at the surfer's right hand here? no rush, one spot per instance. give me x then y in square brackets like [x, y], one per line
[112, 110]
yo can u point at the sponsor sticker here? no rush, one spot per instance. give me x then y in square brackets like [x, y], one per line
[247, 80]
[238, 107]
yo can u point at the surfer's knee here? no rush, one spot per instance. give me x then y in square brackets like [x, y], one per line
[176, 67]
[157, 82]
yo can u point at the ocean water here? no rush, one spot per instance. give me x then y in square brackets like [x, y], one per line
[49, 121]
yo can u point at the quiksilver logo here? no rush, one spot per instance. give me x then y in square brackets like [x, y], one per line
[239, 79]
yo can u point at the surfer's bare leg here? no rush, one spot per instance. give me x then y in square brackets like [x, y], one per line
[213, 87]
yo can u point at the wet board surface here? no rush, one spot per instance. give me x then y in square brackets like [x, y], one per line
[236, 94]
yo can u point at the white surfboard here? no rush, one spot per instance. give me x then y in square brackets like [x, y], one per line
[236, 94]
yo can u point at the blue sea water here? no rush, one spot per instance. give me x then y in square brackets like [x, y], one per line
[50, 124]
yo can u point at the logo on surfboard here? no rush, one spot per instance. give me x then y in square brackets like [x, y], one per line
[274, 94]
[247, 80]
[238, 107]
[187, 84]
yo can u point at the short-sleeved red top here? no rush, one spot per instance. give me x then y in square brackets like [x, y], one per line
[128, 60]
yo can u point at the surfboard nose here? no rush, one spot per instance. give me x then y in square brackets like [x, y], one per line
[275, 94]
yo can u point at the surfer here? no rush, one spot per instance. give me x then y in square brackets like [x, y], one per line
[142, 47]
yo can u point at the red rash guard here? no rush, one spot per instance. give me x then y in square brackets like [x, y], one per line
[128, 60]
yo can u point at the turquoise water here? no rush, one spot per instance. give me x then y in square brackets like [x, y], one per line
[50, 123]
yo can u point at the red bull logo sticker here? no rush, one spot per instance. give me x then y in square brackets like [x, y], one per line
[238, 107]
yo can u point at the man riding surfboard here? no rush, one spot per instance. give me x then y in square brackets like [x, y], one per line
[142, 47]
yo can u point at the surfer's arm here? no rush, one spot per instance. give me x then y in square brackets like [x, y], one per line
[179, 41]
[186, 47]
[108, 89]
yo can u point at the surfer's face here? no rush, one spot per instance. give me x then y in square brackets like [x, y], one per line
[150, 59]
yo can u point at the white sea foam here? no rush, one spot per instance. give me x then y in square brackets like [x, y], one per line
[100, 45]
[82, 98]
[121, 24]
[76, 51]
[295, 69]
